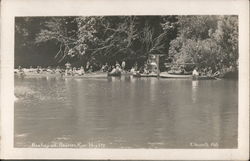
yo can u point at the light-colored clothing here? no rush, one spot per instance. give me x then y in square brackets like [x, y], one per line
[195, 73]
[123, 64]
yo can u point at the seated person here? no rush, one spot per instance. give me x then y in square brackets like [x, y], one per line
[38, 69]
[118, 68]
[132, 70]
[209, 72]
[81, 71]
[74, 71]
[49, 69]
[58, 70]
[195, 72]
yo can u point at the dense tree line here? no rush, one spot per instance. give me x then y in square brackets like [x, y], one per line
[206, 41]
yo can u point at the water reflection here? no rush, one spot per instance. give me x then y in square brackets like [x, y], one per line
[194, 90]
[126, 112]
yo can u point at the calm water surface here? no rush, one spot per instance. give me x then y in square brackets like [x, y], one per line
[126, 113]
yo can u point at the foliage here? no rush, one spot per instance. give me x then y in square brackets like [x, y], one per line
[207, 41]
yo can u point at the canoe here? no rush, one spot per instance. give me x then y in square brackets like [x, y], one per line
[38, 75]
[180, 73]
[89, 75]
[115, 74]
[144, 75]
[167, 75]
[204, 78]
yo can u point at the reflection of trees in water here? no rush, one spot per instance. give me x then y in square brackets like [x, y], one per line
[135, 112]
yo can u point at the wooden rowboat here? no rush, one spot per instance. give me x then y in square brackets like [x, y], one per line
[144, 75]
[204, 78]
[115, 74]
[167, 75]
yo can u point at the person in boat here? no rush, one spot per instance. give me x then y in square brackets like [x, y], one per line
[49, 70]
[195, 72]
[87, 66]
[67, 71]
[31, 69]
[141, 70]
[110, 68]
[104, 68]
[20, 70]
[38, 69]
[123, 65]
[217, 73]
[117, 63]
[132, 70]
[67, 65]
[81, 71]
[74, 72]
[181, 69]
[136, 66]
[90, 69]
[118, 68]
[113, 70]
[209, 72]
[58, 70]
[145, 71]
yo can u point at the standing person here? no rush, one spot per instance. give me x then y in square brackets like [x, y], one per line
[20, 70]
[38, 69]
[123, 65]
[136, 66]
[195, 73]
[68, 66]
[74, 71]
[87, 66]
[58, 70]
[106, 67]
[90, 69]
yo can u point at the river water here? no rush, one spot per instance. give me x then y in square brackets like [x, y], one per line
[125, 112]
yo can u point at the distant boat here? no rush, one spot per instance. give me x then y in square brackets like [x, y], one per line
[115, 74]
[167, 75]
[145, 75]
[186, 76]
[88, 75]
[204, 78]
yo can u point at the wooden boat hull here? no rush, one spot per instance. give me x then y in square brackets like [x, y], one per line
[38, 75]
[204, 78]
[167, 75]
[88, 75]
[144, 75]
[118, 74]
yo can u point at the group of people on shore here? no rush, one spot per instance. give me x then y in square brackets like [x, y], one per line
[72, 71]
